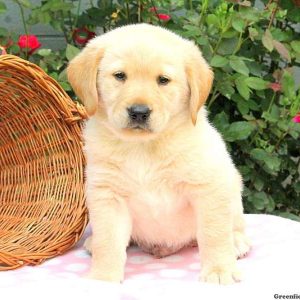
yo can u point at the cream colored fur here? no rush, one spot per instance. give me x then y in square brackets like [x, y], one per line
[166, 186]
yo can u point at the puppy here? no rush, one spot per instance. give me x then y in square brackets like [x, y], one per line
[157, 172]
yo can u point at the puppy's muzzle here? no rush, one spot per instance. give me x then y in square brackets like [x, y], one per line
[138, 113]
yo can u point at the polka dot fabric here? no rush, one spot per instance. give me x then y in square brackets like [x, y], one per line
[274, 255]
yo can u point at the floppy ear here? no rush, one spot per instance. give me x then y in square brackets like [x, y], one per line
[82, 74]
[200, 79]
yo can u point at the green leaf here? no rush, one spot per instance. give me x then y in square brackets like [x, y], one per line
[243, 107]
[212, 20]
[296, 46]
[289, 216]
[280, 35]
[249, 14]
[63, 75]
[255, 68]
[267, 40]
[202, 40]
[256, 83]
[238, 65]
[238, 131]
[297, 187]
[259, 200]
[253, 33]
[271, 160]
[192, 30]
[65, 85]
[246, 172]
[71, 51]
[227, 45]
[230, 33]
[258, 184]
[242, 87]
[273, 115]
[238, 24]
[225, 89]
[44, 52]
[294, 15]
[288, 85]
[270, 206]
[259, 154]
[242, 104]
[54, 75]
[221, 121]
[219, 61]
[2, 7]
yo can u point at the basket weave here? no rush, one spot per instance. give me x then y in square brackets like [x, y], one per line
[42, 207]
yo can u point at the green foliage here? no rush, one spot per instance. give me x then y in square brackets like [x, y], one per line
[254, 97]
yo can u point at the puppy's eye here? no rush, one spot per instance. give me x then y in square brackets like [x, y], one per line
[121, 76]
[163, 80]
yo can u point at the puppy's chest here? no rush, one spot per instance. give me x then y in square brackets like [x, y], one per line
[151, 187]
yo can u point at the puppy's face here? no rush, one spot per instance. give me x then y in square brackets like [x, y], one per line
[142, 88]
[141, 80]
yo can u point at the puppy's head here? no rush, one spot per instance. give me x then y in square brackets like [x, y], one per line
[140, 80]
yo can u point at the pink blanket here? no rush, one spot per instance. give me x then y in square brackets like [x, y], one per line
[272, 267]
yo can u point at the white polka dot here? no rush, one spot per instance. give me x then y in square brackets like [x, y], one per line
[139, 259]
[173, 273]
[172, 258]
[82, 254]
[156, 266]
[76, 267]
[194, 266]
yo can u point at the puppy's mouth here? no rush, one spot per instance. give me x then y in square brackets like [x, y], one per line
[138, 127]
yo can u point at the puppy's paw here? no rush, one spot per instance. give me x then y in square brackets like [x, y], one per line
[116, 277]
[242, 244]
[221, 275]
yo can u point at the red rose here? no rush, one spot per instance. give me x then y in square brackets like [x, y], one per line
[275, 86]
[82, 35]
[29, 41]
[164, 17]
[296, 119]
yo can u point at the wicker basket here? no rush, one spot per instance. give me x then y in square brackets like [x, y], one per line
[42, 207]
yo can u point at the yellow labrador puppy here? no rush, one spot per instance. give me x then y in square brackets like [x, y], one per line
[157, 172]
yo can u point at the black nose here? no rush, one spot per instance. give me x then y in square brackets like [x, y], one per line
[139, 113]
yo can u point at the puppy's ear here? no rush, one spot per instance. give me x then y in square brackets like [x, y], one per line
[200, 79]
[82, 74]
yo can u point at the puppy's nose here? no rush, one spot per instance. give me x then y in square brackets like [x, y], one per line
[139, 113]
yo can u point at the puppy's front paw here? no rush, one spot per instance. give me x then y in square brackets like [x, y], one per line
[220, 274]
[116, 277]
[242, 244]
